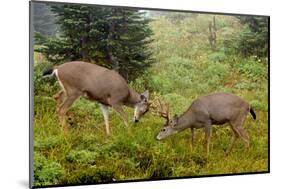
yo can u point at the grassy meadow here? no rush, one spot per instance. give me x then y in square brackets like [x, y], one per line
[185, 68]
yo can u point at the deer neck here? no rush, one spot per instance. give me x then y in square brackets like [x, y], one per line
[184, 122]
[133, 99]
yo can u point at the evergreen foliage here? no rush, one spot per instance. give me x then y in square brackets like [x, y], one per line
[253, 39]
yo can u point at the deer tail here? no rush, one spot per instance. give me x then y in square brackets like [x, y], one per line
[48, 72]
[253, 113]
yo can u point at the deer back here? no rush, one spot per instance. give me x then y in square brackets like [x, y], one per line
[96, 82]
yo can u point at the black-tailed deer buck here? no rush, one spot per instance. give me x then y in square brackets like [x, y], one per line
[97, 84]
[217, 108]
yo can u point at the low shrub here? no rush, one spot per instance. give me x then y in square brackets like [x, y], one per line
[253, 70]
[48, 143]
[90, 175]
[43, 86]
[161, 169]
[258, 105]
[46, 171]
[217, 57]
[82, 156]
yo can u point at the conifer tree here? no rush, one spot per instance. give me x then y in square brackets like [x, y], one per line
[253, 39]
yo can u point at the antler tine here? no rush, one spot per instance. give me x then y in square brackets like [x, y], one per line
[163, 109]
[154, 107]
[168, 112]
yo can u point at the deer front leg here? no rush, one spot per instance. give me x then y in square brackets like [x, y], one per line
[208, 133]
[118, 108]
[105, 113]
[192, 138]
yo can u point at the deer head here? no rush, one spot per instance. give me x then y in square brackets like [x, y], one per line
[142, 106]
[169, 128]
[162, 109]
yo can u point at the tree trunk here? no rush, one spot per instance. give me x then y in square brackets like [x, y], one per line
[85, 41]
[112, 59]
[84, 50]
[212, 34]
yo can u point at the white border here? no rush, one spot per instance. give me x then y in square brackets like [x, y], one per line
[15, 93]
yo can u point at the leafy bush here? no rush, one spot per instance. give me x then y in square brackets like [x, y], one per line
[48, 143]
[145, 160]
[216, 69]
[161, 169]
[177, 103]
[46, 171]
[89, 142]
[43, 86]
[174, 75]
[214, 75]
[258, 105]
[217, 57]
[47, 104]
[246, 85]
[90, 175]
[82, 156]
[253, 70]
[122, 146]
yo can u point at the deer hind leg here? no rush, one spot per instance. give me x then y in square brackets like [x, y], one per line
[239, 131]
[59, 97]
[233, 140]
[118, 108]
[64, 108]
[105, 113]
[244, 137]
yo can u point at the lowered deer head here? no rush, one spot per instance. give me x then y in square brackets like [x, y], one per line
[97, 84]
[141, 107]
[169, 129]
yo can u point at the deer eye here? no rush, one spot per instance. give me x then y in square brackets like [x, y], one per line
[163, 130]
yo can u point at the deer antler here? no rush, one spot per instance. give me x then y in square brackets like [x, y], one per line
[160, 109]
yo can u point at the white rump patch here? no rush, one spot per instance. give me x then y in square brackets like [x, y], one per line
[57, 75]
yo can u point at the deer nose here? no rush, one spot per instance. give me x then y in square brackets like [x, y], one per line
[136, 120]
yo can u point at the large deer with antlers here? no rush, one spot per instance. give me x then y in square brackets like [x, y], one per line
[99, 84]
[205, 111]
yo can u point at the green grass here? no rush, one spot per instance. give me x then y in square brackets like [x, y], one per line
[185, 68]
[85, 151]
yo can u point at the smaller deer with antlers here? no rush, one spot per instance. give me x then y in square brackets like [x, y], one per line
[217, 108]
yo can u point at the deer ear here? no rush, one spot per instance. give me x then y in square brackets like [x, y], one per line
[144, 95]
